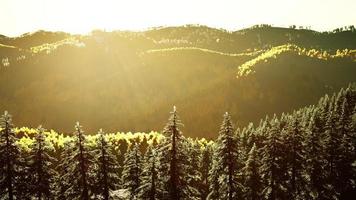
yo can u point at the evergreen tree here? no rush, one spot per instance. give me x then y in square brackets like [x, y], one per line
[214, 193]
[194, 176]
[80, 162]
[252, 178]
[227, 161]
[107, 177]
[273, 167]
[346, 157]
[293, 141]
[149, 189]
[41, 166]
[132, 170]
[332, 152]
[173, 159]
[205, 166]
[64, 177]
[9, 159]
[314, 157]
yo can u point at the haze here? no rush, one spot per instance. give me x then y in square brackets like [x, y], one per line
[82, 16]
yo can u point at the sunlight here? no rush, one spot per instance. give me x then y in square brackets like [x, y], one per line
[82, 16]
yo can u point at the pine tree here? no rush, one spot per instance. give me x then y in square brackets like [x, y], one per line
[273, 167]
[252, 178]
[9, 159]
[194, 176]
[64, 177]
[293, 140]
[347, 149]
[81, 160]
[205, 166]
[227, 161]
[107, 177]
[149, 189]
[214, 187]
[173, 160]
[314, 157]
[332, 151]
[132, 170]
[43, 177]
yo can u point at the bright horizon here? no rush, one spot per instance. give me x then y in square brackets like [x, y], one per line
[82, 16]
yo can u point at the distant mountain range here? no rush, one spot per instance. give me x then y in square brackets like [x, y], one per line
[128, 81]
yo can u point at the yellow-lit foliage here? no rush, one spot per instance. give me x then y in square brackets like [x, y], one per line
[7, 46]
[50, 47]
[56, 140]
[201, 50]
[247, 68]
[204, 143]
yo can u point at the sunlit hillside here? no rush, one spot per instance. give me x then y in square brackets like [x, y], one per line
[128, 80]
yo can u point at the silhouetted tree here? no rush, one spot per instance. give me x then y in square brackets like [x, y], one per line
[132, 170]
[80, 161]
[273, 166]
[149, 189]
[252, 179]
[314, 157]
[173, 162]
[227, 161]
[41, 166]
[9, 159]
[64, 177]
[293, 141]
[107, 178]
[205, 166]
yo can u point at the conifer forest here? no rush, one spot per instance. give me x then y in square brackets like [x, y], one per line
[177, 100]
[307, 154]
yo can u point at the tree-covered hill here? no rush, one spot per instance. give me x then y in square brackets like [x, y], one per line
[308, 153]
[124, 80]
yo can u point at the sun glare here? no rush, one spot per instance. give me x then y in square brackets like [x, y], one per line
[82, 16]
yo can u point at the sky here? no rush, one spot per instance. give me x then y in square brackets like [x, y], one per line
[82, 16]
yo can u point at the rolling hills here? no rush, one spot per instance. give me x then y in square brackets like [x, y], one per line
[128, 81]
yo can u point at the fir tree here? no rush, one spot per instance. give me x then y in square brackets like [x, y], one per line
[314, 157]
[252, 178]
[194, 176]
[43, 178]
[107, 177]
[273, 167]
[332, 150]
[149, 189]
[205, 166]
[64, 177]
[347, 149]
[173, 160]
[293, 141]
[214, 187]
[132, 170]
[9, 159]
[227, 161]
[81, 160]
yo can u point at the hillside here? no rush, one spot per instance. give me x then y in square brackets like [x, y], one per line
[313, 149]
[49, 78]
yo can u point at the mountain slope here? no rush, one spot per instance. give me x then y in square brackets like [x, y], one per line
[128, 81]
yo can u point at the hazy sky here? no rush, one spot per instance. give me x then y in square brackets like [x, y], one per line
[82, 16]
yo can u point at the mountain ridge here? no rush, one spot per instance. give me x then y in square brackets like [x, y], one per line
[128, 81]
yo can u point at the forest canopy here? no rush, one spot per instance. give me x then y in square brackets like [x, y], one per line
[306, 154]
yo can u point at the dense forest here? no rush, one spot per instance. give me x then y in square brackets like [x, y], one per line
[123, 80]
[307, 154]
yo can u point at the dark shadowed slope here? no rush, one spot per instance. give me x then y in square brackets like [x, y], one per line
[128, 80]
